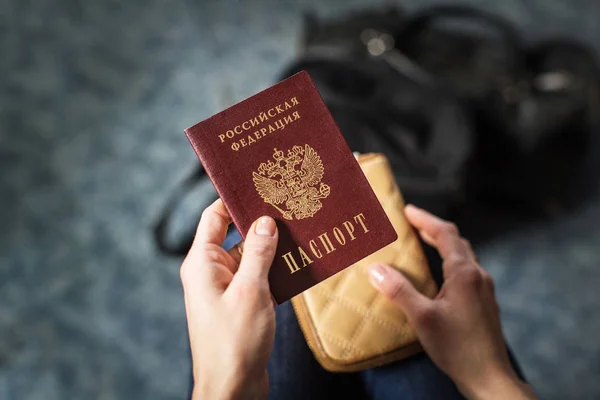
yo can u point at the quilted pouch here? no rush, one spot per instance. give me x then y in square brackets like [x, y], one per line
[348, 325]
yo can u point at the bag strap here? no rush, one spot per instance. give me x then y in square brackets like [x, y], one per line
[162, 224]
[425, 19]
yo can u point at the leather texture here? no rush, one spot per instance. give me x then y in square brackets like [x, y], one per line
[350, 326]
[279, 153]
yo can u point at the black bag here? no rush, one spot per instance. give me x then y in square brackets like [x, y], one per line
[468, 116]
[383, 102]
[533, 108]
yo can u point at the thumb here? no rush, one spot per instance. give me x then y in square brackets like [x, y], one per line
[396, 287]
[259, 250]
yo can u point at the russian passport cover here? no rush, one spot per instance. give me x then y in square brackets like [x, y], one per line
[280, 153]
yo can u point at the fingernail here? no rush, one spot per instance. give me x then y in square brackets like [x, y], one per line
[414, 208]
[413, 211]
[377, 273]
[265, 227]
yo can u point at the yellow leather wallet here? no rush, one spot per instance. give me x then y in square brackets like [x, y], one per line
[347, 324]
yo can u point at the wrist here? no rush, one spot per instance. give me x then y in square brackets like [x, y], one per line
[213, 387]
[498, 385]
[201, 392]
[230, 389]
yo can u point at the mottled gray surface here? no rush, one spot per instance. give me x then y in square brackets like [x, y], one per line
[94, 96]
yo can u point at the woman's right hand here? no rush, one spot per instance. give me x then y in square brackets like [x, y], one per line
[460, 329]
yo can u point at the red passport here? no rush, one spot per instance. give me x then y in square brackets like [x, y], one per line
[280, 153]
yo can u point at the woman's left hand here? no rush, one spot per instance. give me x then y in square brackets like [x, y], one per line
[230, 311]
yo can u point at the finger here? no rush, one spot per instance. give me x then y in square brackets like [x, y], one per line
[440, 234]
[259, 250]
[489, 282]
[428, 239]
[213, 225]
[201, 278]
[236, 252]
[396, 287]
[204, 264]
[469, 250]
[472, 256]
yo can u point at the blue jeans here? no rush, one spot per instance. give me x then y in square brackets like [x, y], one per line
[295, 374]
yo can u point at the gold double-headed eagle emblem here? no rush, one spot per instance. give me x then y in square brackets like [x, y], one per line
[280, 181]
